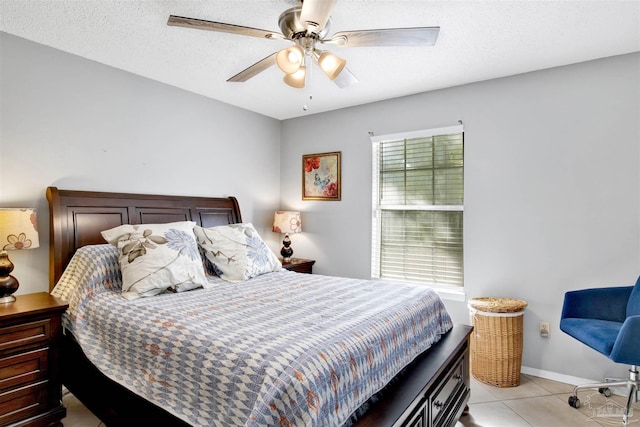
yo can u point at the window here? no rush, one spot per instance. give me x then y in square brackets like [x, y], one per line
[418, 204]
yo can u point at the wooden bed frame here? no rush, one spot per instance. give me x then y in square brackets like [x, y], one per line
[432, 391]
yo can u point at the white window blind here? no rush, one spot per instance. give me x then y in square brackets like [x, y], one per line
[418, 205]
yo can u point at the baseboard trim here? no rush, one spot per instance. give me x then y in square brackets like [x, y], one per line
[555, 376]
[568, 379]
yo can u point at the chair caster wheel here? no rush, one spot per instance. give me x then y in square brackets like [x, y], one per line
[574, 402]
[605, 391]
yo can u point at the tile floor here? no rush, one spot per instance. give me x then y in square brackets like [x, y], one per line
[540, 402]
[535, 402]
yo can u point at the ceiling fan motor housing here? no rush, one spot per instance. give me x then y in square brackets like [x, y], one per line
[293, 28]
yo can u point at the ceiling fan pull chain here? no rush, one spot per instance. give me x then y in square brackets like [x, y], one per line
[308, 85]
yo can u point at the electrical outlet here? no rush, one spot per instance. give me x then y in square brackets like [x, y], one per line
[544, 329]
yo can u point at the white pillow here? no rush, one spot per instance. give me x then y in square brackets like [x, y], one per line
[237, 251]
[156, 257]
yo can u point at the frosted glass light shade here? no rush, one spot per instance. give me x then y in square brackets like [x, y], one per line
[290, 59]
[296, 79]
[331, 64]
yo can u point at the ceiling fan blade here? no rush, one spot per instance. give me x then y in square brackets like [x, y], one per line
[255, 69]
[201, 24]
[418, 36]
[345, 79]
[316, 13]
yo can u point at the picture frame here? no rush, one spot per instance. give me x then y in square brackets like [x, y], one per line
[321, 178]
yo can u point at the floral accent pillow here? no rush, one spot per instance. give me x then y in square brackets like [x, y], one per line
[157, 257]
[236, 251]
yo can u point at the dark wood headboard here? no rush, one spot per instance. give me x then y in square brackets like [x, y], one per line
[76, 218]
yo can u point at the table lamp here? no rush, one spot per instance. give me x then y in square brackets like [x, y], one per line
[18, 230]
[287, 222]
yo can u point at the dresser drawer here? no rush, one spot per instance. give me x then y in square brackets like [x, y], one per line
[30, 388]
[24, 402]
[449, 393]
[23, 368]
[418, 418]
[25, 334]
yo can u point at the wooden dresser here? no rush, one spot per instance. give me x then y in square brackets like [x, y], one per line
[30, 383]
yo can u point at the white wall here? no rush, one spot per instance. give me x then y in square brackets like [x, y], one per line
[552, 185]
[552, 190]
[76, 124]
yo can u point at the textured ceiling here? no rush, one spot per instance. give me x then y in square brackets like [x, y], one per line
[478, 40]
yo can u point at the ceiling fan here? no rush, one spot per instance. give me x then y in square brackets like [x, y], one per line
[308, 26]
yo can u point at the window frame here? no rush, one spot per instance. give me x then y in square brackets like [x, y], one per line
[376, 227]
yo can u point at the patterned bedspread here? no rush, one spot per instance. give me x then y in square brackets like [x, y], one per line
[281, 349]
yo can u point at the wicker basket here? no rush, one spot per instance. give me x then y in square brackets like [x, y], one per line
[496, 340]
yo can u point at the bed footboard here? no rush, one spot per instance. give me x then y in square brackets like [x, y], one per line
[432, 391]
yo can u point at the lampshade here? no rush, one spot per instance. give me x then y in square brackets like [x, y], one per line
[331, 64]
[287, 222]
[290, 59]
[18, 230]
[296, 79]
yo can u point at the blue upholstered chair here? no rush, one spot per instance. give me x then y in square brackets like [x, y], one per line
[608, 321]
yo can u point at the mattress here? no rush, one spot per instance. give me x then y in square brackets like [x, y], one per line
[283, 348]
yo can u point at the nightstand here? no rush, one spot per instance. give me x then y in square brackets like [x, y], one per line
[30, 383]
[300, 265]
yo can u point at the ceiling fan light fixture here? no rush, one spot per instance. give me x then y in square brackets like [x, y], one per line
[296, 79]
[331, 64]
[306, 25]
[290, 59]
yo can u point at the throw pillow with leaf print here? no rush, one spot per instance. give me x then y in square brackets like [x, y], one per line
[155, 258]
[236, 251]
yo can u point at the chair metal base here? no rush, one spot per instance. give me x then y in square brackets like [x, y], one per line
[632, 383]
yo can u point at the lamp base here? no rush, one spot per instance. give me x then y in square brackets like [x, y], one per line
[287, 250]
[286, 254]
[7, 299]
[8, 283]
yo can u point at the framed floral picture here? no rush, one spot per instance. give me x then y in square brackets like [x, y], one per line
[321, 176]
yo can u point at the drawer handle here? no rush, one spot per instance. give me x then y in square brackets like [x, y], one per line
[438, 404]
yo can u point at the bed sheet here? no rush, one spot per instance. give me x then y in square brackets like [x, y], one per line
[283, 348]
